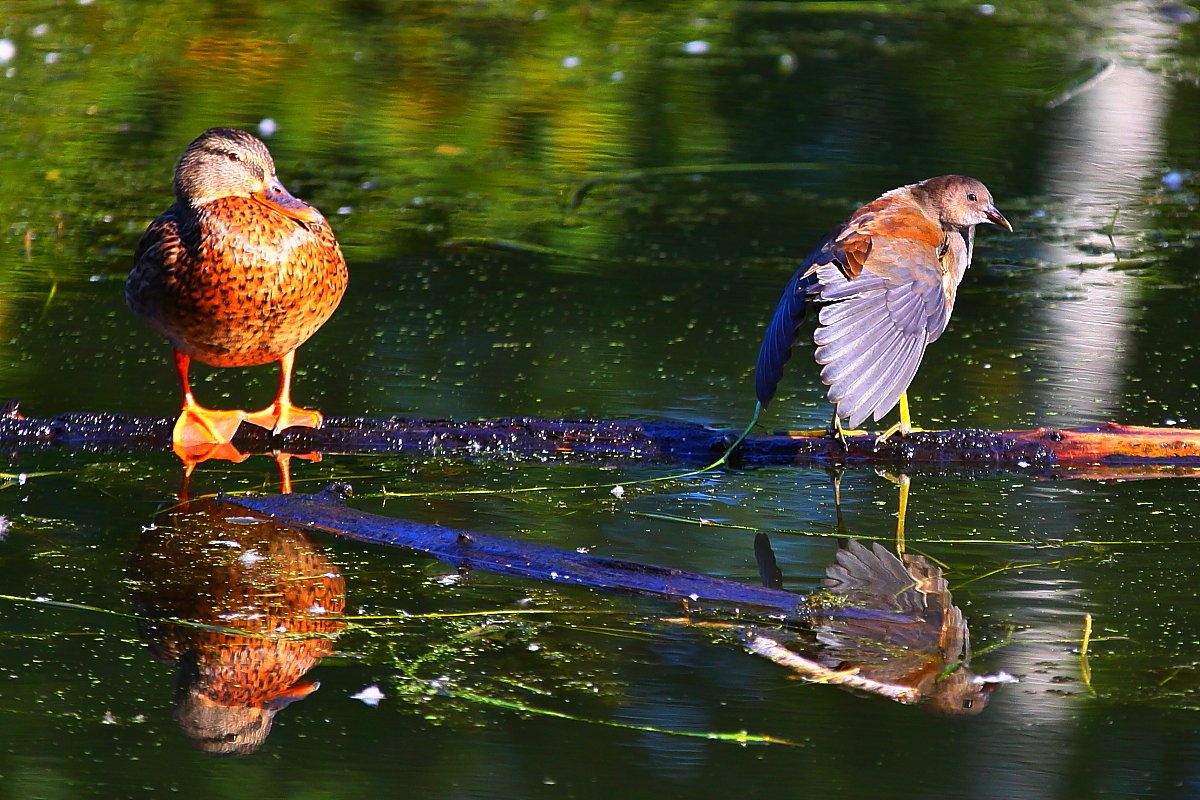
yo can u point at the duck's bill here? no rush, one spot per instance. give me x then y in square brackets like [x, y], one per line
[275, 196]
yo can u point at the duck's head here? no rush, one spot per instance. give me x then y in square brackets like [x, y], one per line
[226, 162]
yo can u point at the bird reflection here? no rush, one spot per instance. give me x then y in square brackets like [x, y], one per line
[918, 651]
[262, 605]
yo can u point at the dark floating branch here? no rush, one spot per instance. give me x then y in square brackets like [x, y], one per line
[1107, 451]
[327, 511]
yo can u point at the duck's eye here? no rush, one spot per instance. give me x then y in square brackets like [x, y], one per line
[232, 156]
[972, 197]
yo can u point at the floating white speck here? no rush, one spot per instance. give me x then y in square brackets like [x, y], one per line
[1022, 464]
[22, 479]
[243, 520]
[40, 30]
[1170, 422]
[346, 211]
[8, 51]
[108, 719]
[370, 695]
[251, 557]
[267, 127]
[449, 580]
[694, 597]
[84, 2]
[618, 76]
[696, 48]
[999, 677]
[618, 491]
[224, 543]
[533, 647]
[4, 526]
[571, 62]
[317, 608]
[51, 58]
[986, 9]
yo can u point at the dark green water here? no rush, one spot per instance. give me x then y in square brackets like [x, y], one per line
[420, 128]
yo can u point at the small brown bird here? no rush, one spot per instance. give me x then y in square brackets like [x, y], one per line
[236, 273]
[885, 282]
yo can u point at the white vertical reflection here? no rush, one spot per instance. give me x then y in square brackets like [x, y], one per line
[1106, 149]
[1106, 144]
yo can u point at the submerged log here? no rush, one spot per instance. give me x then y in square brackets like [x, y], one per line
[1105, 451]
[327, 511]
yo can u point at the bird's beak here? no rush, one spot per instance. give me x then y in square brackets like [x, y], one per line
[275, 196]
[996, 218]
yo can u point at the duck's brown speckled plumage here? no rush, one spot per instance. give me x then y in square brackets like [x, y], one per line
[232, 281]
[236, 273]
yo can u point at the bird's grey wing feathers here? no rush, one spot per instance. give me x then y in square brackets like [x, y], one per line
[875, 327]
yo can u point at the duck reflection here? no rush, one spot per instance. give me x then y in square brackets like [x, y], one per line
[918, 651]
[262, 606]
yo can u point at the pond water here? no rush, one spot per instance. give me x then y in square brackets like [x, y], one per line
[588, 210]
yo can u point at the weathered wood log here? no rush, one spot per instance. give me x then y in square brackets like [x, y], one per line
[1107, 451]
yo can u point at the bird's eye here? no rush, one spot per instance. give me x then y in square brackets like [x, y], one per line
[232, 156]
[972, 197]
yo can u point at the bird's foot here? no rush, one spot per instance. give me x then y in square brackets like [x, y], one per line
[199, 427]
[899, 427]
[281, 416]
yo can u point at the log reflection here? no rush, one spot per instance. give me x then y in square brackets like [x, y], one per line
[273, 600]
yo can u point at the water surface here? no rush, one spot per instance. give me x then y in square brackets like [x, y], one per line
[429, 133]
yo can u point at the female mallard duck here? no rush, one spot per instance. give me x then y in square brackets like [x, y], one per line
[236, 273]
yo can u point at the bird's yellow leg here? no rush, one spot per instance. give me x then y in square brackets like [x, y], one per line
[903, 427]
[835, 430]
[902, 513]
[281, 414]
[199, 426]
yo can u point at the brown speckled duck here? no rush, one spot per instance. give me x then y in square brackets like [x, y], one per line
[236, 273]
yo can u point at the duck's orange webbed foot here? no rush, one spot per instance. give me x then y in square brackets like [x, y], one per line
[203, 433]
[278, 417]
[281, 414]
[204, 426]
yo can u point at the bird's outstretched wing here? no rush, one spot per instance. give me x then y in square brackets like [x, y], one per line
[844, 251]
[874, 328]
